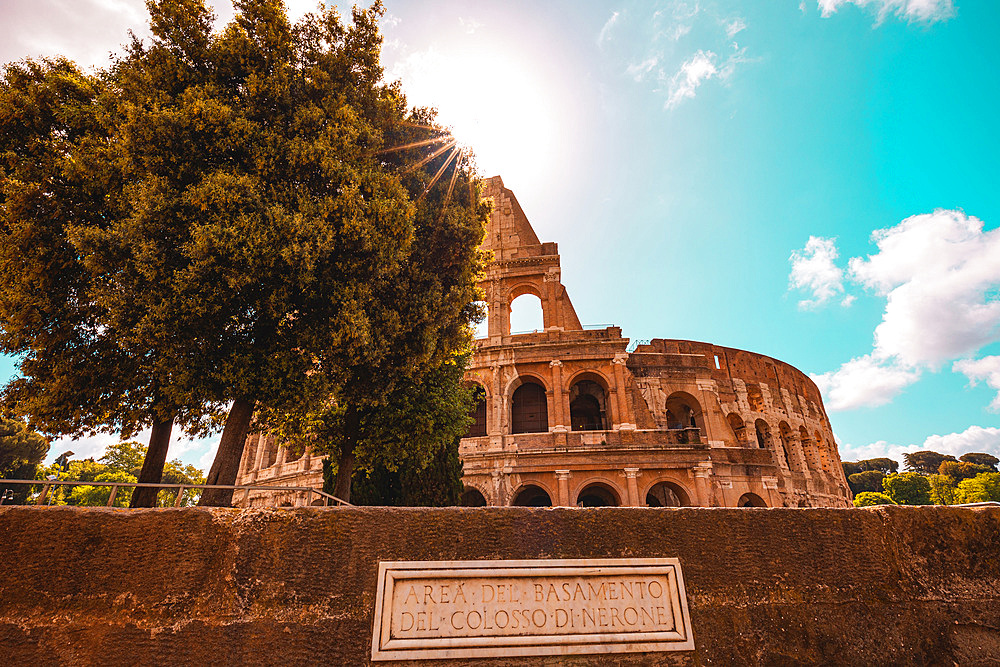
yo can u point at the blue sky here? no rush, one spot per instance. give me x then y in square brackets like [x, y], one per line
[813, 180]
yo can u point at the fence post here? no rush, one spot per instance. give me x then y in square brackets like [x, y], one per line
[246, 498]
[111, 498]
[45, 492]
[180, 494]
[309, 497]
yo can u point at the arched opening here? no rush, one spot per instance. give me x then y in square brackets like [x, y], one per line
[528, 409]
[667, 494]
[785, 435]
[597, 495]
[763, 434]
[317, 503]
[481, 329]
[270, 453]
[755, 397]
[824, 454]
[478, 413]
[739, 429]
[750, 500]
[293, 453]
[526, 314]
[588, 406]
[684, 418]
[253, 443]
[532, 496]
[809, 449]
[473, 498]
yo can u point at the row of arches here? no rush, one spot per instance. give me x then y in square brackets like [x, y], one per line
[599, 494]
[265, 451]
[588, 408]
[815, 452]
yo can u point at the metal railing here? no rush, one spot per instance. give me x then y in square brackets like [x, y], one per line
[46, 484]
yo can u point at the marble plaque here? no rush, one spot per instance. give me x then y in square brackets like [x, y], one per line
[484, 608]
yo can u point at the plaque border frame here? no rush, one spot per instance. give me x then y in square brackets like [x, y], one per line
[519, 645]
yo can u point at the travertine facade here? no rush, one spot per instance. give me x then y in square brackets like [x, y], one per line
[569, 417]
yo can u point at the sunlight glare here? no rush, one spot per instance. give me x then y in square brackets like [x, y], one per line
[493, 103]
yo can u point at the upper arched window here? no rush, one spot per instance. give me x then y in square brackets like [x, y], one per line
[529, 409]
[478, 413]
[587, 406]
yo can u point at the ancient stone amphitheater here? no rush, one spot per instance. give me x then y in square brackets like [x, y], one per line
[567, 416]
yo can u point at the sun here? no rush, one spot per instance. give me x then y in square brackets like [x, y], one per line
[493, 102]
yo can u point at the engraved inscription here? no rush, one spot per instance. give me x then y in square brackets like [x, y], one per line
[547, 607]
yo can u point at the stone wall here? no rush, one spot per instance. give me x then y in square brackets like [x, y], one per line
[765, 586]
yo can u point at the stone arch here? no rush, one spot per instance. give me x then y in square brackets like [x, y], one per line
[537, 300]
[251, 455]
[589, 402]
[824, 452]
[598, 493]
[531, 495]
[270, 452]
[755, 397]
[473, 497]
[785, 437]
[319, 502]
[685, 418]
[479, 410]
[739, 429]
[810, 450]
[763, 432]
[750, 500]
[529, 406]
[667, 493]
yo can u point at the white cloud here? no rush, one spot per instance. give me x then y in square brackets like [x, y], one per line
[986, 370]
[814, 269]
[735, 26]
[972, 439]
[915, 11]
[640, 71]
[605, 33]
[864, 382]
[937, 272]
[695, 71]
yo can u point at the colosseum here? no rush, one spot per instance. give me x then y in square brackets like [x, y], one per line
[568, 416]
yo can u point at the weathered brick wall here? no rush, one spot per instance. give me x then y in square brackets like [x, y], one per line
[765, 587]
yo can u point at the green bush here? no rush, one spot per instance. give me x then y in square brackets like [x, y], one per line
[872, 498]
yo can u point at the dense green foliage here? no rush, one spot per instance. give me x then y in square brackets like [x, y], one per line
[406, 449]
[925, 462]
[959, 470]
[883, 465]
[869, 480]
[871, 498]
[908, 488]
[21, 450]
[984, 487]
[222, 218]
[980, 458]
[121, 462]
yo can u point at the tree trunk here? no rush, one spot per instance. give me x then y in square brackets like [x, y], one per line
[152, 465]
[227, 460]
[345, 464]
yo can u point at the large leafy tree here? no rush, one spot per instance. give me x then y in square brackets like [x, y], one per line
[226, 223]
[908, 488]
[981, 458]
[82, 370]
[926, 462]
[405, 449]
